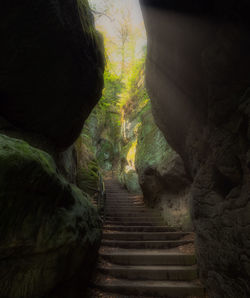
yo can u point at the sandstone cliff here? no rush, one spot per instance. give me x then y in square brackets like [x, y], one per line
[51, 69]
[198, 79]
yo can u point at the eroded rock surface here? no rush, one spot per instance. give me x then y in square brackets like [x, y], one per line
[198, 79]
[47, 225]
[162, 176]
[51, 67]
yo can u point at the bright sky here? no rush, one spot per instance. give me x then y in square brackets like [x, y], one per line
[118, 6]
[111, 23]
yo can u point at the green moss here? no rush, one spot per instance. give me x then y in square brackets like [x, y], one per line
[17, 155]
[46, 224]
[86, 18]
[105, 154]
[88, 178]
[130, 180]
[152, 147]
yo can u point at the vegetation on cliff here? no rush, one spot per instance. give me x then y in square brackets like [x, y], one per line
[125, 139]
[115, 125]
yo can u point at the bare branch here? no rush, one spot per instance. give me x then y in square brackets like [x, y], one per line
[101, 14]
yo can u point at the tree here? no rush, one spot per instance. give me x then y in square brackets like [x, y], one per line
[124, 32]
[102, 8]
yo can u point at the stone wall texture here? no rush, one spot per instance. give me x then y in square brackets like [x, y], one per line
[198, 78]
[51, 76]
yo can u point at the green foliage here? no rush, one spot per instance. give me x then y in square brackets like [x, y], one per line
[113, 125]
[123, 103]
[112, 89]
[86, 18]
[88, 179]
[148, 136]
[130, 180]
[104, 124]
[134, 95]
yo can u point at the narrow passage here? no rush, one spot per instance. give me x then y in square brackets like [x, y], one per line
[140, 256]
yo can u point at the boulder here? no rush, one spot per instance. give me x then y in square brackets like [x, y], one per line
[51, 67]
[48, 227]
[51, 76]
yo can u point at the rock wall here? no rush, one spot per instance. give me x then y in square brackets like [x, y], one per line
[48, 226]
[103, 130]
[51, 69]
[162, 177]
[127, 143]
[198, 79]
[88, 171]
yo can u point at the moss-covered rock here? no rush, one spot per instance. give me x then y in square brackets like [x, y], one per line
[87, 177]
[52, 59]
[161, 174]
[47, 225]
[129, 179]
[152, 149]
[105, 154]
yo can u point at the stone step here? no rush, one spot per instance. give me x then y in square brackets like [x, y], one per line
[119, 189]
[131, 207]
[112, 196]
[148, 257]
[119, 195]
[137, 218]
[131, 214]
[123, 198]
[154, 229]
[123, 195]
[143, 235]
[140, 255]
[180, 273]
[134, 223]
[116, 189]
[131, 210]
[123, 206]
[167, 289]
[145, 244]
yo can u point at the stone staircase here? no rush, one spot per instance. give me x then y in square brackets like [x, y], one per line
[139, 256]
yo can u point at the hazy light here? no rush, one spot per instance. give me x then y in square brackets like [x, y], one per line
[109, 23]
[118, 6]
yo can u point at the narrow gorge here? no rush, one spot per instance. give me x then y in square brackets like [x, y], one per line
[124, 149]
